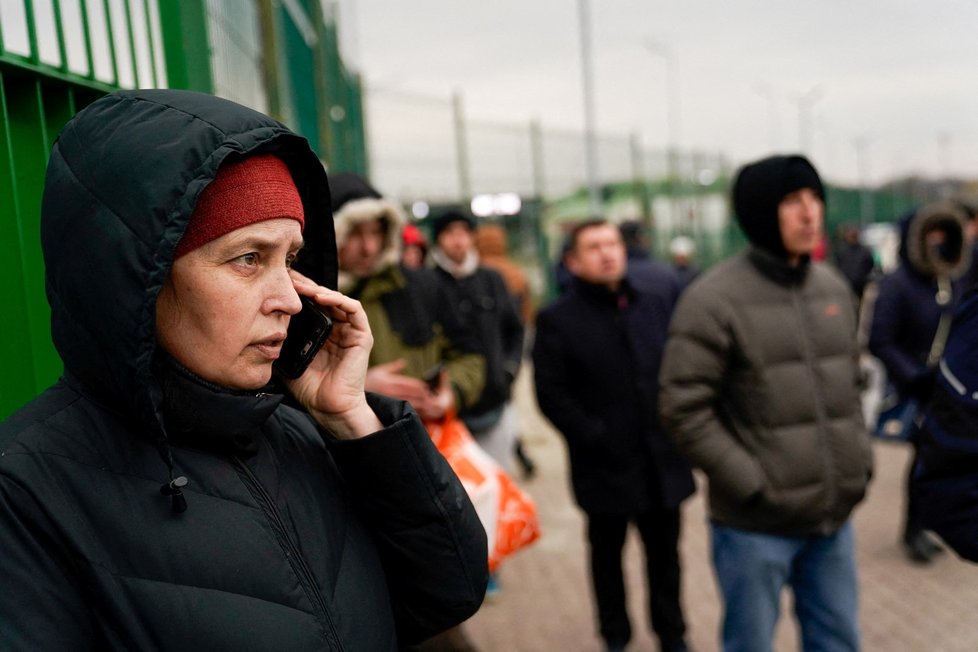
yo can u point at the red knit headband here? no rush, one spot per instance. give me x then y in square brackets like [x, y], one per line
[244, 192]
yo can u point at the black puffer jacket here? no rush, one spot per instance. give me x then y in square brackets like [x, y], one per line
[290, 540]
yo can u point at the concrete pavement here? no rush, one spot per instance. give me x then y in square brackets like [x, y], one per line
[545, 603]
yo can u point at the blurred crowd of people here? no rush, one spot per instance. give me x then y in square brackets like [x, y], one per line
[753, 371]
[747, 371]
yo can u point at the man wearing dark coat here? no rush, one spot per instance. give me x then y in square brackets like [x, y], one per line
[596, 359]
[483, 306]
[854, 259]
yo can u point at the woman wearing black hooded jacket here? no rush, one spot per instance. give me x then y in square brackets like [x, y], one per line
[159, 495]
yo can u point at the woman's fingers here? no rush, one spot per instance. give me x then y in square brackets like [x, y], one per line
[341, 307]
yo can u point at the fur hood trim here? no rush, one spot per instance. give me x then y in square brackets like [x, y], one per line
[365, 209]
[955, 257]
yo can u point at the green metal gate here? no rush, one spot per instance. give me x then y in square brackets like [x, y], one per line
[57, 56]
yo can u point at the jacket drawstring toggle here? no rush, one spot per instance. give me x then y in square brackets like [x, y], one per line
[173, 489]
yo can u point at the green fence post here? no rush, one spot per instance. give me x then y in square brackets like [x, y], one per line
[188, 57]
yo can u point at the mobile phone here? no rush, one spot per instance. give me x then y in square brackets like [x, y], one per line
[433, 377]
[307, 333]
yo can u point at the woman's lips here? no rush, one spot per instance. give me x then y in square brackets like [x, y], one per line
[270, 348]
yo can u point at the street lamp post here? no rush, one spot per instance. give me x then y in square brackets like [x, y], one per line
[672, 117]
[766, 92]
[587, 82]
[805, 102]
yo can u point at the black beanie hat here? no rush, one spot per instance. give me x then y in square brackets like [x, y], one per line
[759, 188]
[450, 216]
[346, 187]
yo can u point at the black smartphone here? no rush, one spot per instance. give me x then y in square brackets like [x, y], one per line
[307, 333]
[433, 377]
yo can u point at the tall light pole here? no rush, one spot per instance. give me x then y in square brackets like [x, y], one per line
[672, 116]
[766, 92]
[944, 153]
[587, 83]
[672, 94]
[805, 102]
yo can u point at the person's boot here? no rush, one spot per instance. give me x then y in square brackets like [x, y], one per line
[919, 548]
[526, 464]
[935, 547]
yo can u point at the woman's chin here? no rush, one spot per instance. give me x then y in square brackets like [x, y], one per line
[251, 379]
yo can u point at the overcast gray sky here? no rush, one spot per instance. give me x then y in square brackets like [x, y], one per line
[899, 76]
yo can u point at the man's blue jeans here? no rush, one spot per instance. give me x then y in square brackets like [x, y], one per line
[753, 568]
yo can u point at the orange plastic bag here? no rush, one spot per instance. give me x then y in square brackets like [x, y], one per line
[507, 512]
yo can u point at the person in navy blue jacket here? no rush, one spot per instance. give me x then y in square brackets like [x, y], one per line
[596, 359]
[946, 475]
[908, 308]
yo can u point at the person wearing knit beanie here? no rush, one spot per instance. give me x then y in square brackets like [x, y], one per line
[759, 189]
[168, 486]
[414, 249]
[448, 218]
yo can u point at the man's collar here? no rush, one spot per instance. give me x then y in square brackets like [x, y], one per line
[777, 268]
[459, 270]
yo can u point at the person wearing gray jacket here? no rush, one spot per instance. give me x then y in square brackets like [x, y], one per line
[759, 389]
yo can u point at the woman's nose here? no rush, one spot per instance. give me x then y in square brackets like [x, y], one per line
[282, 294]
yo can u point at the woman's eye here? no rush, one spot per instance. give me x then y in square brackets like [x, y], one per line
[290, 259]
[247, 259]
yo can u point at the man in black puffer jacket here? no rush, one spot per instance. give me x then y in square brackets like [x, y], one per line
[158, 497]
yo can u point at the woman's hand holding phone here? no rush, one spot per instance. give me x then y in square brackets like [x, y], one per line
[332, 387]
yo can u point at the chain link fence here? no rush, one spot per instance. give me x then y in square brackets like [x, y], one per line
[428, 149]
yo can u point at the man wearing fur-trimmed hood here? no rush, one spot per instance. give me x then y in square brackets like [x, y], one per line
[411, 338]
[934, 254]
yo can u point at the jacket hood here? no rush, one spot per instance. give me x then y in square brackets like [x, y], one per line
[354, 202]
[953, 258]
[759, 189]
[122, 181]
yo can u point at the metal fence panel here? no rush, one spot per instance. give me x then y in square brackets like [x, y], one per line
[56, 57]
[32, 111]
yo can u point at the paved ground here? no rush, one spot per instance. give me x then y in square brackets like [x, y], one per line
[545, 603]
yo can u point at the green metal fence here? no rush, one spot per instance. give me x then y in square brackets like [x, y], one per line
[56, 56]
